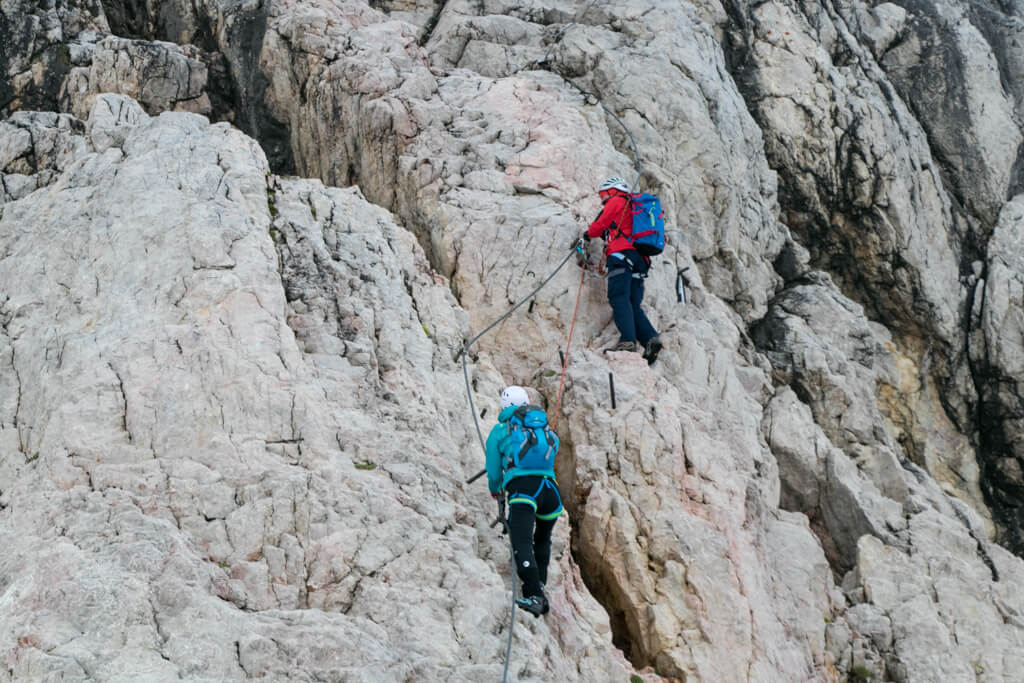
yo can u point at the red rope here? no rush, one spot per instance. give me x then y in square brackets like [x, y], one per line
[565, 360]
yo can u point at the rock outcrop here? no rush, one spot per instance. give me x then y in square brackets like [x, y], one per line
[233, 435]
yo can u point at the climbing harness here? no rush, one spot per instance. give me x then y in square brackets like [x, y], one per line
[463, 353]
[681, 280]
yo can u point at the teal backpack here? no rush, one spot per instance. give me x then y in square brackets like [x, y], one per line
[530, 444]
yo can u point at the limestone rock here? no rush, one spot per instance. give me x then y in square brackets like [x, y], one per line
[869, 399]
[160, 76]
[34, 148]
[970, 116]
[232, 433]
[112, 119]
[205, 392]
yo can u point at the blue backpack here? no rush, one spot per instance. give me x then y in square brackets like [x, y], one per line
[530, 444]
[648, 235]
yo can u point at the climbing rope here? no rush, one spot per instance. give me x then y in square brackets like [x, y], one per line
[463, 353]
[682, 282]
[565, 356]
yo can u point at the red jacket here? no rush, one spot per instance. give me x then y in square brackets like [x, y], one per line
[615, 212]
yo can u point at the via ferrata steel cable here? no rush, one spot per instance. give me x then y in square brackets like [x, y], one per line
[463, 352]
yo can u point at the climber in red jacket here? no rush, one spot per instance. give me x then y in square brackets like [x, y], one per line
[627, 269]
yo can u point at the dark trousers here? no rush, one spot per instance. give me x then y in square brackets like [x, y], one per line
[626, 293]
[534, 504]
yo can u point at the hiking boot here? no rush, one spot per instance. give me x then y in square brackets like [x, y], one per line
[625, 346]
[535, 604]
[651, 349]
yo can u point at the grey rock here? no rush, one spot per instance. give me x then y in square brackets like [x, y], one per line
[865, 395]
[220, 528]
[37, 57]
[34, 148]
[160, 76]
[228, 408]
[112, 119]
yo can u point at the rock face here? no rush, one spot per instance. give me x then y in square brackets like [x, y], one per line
[223, 407]
[995, 332]
[233, 432]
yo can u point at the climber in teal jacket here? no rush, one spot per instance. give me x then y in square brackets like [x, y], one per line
[534, 500]
[511, 398]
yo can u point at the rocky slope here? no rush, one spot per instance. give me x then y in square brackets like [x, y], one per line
[241, 244]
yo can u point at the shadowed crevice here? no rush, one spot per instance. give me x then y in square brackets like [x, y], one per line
[592, 566]
[244, 43]
[592, 572]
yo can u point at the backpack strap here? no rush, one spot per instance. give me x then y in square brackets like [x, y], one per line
[627, 207]
[508, 459]
[530, 442]
[551, 442]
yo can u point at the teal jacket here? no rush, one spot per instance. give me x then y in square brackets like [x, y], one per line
[496, 479]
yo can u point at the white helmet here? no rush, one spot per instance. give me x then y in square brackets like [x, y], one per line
[614, 183]
[514, 396]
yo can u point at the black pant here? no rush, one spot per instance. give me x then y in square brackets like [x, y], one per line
[626, 294]
[534, 504]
